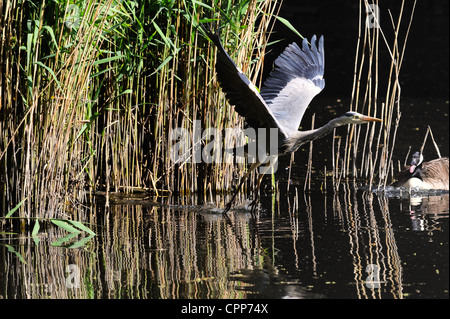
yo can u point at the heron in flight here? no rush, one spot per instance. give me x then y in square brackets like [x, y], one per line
[296, 79]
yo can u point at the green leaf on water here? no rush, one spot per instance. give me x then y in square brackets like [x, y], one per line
[35, 231]
[12, 211]
[82, 242]
[35, 228]
[65, 225]
[12, 250]
[36, 239]
[82, 227]
[62, 240]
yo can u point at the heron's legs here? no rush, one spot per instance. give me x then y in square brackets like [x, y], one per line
[256, 192]
[258, 186]
[230, 203]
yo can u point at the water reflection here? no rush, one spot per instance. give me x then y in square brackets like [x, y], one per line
[427, 213]
[354, 244]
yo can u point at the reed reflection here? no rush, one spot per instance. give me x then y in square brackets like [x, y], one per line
[181, 253]
[427, 213]
[372, 244]
[351, 244]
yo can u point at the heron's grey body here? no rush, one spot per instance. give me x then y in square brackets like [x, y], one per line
[296, 79]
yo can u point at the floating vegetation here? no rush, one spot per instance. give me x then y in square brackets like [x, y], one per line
[78, 233]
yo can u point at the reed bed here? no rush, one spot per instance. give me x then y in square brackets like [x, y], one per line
[91, 90]
[366, 151]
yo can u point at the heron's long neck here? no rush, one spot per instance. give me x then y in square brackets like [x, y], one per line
[303, 137]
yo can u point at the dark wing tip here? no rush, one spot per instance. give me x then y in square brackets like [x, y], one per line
[212, 34]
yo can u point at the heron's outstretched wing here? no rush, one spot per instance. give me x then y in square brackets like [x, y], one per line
[239, 91]
[295, 80]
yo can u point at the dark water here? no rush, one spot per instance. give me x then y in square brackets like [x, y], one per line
[301, 246]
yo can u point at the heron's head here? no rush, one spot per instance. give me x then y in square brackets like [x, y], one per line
[416, 160]
[358, 118]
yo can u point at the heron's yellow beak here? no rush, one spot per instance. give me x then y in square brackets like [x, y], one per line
[370, 119]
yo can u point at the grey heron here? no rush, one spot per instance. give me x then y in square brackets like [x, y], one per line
[425, 175]
[296, 79]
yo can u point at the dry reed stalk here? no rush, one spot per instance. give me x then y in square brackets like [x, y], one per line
[436, 147]
[374, 158]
